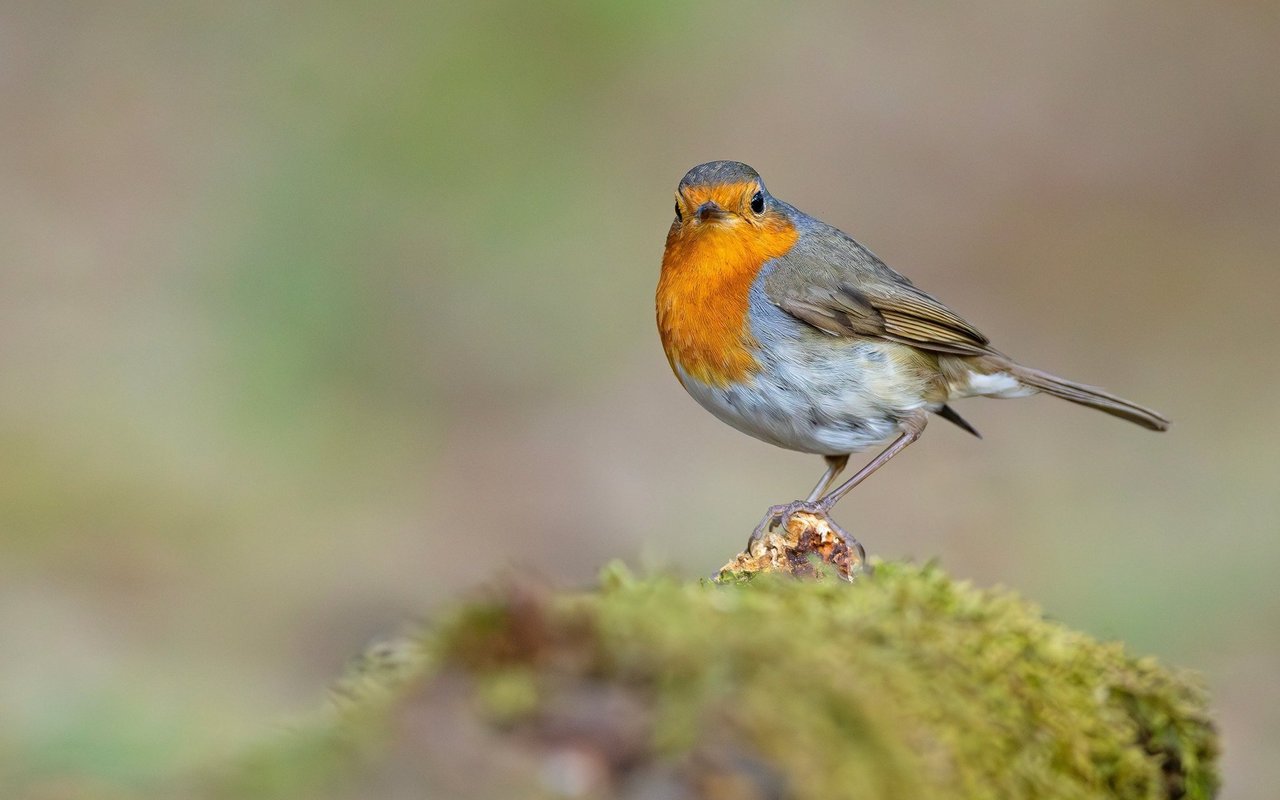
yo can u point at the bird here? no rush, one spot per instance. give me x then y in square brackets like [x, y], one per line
[791, 331]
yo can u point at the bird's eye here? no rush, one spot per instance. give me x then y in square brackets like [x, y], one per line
[757, 202]
[679, 216]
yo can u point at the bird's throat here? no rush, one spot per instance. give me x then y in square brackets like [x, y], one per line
[704, 296]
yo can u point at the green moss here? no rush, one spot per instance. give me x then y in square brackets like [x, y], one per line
[508, 695]
[903, 684]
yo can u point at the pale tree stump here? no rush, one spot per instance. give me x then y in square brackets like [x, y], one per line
[802, 547]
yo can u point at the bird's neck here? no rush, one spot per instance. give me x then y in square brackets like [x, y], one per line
[704, 295]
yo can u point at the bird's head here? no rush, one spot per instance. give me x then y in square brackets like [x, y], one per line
[722, 194]
[726, 228]
[726, 220]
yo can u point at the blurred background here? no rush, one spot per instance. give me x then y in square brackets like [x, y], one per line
[314, 316]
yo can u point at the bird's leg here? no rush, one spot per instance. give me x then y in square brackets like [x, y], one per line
[777, 515]
[835, 465]
[912, 427]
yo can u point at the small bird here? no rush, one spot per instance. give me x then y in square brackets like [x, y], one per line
[791, 331]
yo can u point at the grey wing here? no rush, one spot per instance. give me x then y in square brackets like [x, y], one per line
[838, 286]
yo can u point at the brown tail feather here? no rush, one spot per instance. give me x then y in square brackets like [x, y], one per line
[1091, 396]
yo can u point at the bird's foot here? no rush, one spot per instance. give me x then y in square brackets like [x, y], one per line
[807, 533]
[778, 515]
[849, 542]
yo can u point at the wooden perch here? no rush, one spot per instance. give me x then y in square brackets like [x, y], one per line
[805, 542]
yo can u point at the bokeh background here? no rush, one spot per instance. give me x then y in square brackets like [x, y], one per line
[315, 316]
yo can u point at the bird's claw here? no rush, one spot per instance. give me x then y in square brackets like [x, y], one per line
[779, 515]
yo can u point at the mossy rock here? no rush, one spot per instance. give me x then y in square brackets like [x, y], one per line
[902, 684]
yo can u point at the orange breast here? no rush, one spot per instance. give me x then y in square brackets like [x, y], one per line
[703, 293]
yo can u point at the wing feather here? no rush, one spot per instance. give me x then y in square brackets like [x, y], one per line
[840, 288]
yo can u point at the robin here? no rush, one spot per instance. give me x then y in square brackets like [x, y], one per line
[791, 331]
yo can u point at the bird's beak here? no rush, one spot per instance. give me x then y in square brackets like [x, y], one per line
[709, 211]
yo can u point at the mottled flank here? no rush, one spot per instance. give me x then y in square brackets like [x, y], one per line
[903, 684]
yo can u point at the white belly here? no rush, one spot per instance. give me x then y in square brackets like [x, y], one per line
[831, 404]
